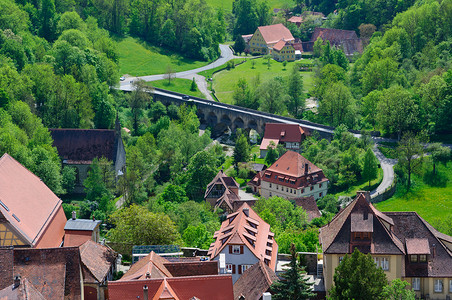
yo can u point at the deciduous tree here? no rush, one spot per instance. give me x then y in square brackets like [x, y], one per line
[370, 166]
[410, 152]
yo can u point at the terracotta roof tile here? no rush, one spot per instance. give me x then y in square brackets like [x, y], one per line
[32, 208]
[98, 259]
[279, 45]
[240, 235]
[76, 238]
[295, 19]
[310, 206]
[254, 282]
[153, 264]
[285, 132]
[274, 33]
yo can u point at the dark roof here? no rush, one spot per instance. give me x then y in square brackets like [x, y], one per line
[24, 291]
[347, 39]
[81, 146]
[191, 268]
[310, 206]
[55, 272]
[6, 267]
[97, 259]
[229, 196]
[254, 282]
[81, 224]
[258, 167]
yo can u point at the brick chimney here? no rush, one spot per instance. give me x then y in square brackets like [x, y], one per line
[306, 169]
[16, 281]
[145, 292]
[74, 215]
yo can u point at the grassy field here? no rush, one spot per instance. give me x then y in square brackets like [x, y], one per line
[227, 4]
[138, 58]
[362, 186]
[177, 85]
[430, 197]
[224, 82]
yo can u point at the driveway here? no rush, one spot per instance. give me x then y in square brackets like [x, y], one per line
[226, 55]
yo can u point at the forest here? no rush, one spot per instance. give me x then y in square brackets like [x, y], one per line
[59, 69]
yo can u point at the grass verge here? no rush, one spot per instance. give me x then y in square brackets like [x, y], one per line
[389, 152]
[178, 85]
[138, 58]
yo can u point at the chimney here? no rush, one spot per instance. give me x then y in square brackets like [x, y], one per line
[266, 296]
[16, 281]
[145, 292]
[306, 168]
[246, 211]
[148, 275]
[74, 215]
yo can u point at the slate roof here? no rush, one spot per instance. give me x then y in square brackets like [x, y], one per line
[81, 224]
[236, 230]
[283, 133]
[54, 272]
[310, 206]
[254, 282]
[274, 33]
[24, 291]
[81, 146]
[97, 259]
[214, 287]
[335, 237]
[30, 206]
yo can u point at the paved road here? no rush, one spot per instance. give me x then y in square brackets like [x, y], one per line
[387, 165]
[226, 55]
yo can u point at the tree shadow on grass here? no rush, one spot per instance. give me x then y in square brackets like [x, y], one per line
[435, 180]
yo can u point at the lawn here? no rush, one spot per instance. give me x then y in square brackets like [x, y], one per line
[224, 82]
[361, 186]
[388, 152]
[137, 58]
[430, 201]
[179, 85]
[227, 4]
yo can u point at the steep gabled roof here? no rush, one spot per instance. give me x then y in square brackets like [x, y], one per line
[274, 33]
[279, 45]
[81, 146]
[238, 229]
[335, 237]
[97, 259]
[292, 164]
[284, 132]
[335, 36]
[29, 205]
[221, 178]
[310, 206]
[152, 264]
[254, 282]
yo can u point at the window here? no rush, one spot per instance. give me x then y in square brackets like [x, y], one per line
[320, 194]
[376, 261]
[246, 267]
[277, 187]
[302, 191]
[270, 185]
[422, 258]
[312, 188]
[416, 284]
[320, 185]
[229, 268]
[413, 258]
[235, 249]
[340, 259]
[438, 285]
[384, 263]
[450, 285]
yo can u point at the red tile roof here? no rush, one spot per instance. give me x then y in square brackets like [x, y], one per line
[75, 238]
[284, 132]
[152, 265]
[192, 268]
[274, 33]
[295, 19]
[98, 259]
[279, 45]
[30, 206]
[239, 235]
[254, 282]
[216, 287]
[345, 39]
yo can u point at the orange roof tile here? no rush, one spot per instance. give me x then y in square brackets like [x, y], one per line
[97, 258]
[274, 33]
[74, 238]
[152, 264]
[292, 164]
[279, 45]
[29, 205]
[295, 19]
[240, 235]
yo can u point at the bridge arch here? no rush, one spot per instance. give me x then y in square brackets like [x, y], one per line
[238, 123]
[212, 119]
[252, 124]
[201, 116]
[226, 120]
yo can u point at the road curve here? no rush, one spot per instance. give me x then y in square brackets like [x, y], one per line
[225, 56]
[387, 165]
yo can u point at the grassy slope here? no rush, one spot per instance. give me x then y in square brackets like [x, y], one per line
[227, 4]
[179, 85]
[225, 81]
[430, 202]
[137, 58]
[362, 186]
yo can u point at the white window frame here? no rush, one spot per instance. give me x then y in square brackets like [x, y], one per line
[340, 259]
[245, 267]
[235, 249]
[384, 263]
[416, 284]
[376, 261]
[229, 268]
[450, 285]
[438, 286]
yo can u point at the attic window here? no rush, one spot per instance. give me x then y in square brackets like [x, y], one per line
[4, 205]
[283, 133]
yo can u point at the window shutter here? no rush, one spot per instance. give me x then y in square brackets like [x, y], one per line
[233, 269]
[241, 249]
[239, 269]
[230, 249]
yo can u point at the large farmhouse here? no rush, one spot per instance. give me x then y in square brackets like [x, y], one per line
[265, 37]
[402, 243]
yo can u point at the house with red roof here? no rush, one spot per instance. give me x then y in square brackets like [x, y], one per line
[403, 244]
[347, 40]
[31, 215]
[283, 51]
[78, 231]
[296, 20]
[291, 176]
[254, 282]
[265, 37]
[244, 239]
[290, 136]
[154, 277]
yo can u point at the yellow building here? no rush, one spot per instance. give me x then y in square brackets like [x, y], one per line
[283, 50]
[402, 243]
[266, 37]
